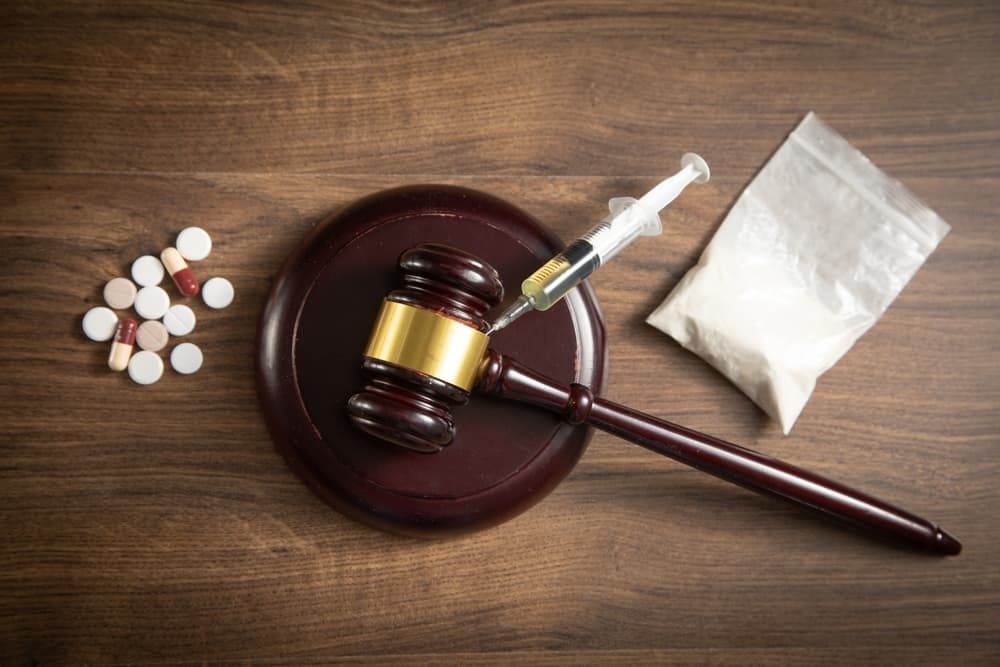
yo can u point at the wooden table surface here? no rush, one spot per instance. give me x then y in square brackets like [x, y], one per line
[159, 524]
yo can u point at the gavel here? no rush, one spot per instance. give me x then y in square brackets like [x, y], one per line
[428, 351]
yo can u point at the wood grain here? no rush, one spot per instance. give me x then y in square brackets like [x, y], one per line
[159, 525]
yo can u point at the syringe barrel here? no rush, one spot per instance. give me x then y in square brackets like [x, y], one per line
[627, 220]
[560, 274]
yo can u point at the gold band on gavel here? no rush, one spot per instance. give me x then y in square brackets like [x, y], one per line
[427, 342]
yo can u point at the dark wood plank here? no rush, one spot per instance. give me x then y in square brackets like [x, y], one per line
[484, 87]
[159, 525]
[706, 657]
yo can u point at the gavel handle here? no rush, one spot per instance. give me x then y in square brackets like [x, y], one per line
[508, 378]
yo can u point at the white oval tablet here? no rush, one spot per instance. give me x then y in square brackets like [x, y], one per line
[119, 293]
[145, 367]
[194, 244]
[186, 358]
[100, 324]
[217, 293]
[179, 320]
[152, 336]
[152, 302]
[147, 270]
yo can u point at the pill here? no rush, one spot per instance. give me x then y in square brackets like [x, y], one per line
[145, 367]
[121, 349]
[186, 358]
[152, 302]
[217, 293]
[119, 293]
[194, 244]
[152, 336]
[179, 271]
[179, 320]
[99, 324]
[147, 270]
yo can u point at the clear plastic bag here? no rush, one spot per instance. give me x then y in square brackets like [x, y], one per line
[810, 256]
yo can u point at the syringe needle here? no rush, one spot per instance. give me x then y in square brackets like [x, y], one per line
[520, 306]
[578, 260]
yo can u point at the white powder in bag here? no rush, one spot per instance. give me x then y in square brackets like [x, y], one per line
[807, 260]
[758, 326]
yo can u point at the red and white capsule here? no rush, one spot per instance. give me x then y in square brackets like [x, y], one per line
[121, 348]
[179, 271]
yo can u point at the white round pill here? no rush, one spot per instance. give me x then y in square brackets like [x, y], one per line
[145, 367]
[119, 293]
[179, 320]
[186, 358]
[194, 244]
[152, 302]
[217, 293]
[147, 270]
[100, 324]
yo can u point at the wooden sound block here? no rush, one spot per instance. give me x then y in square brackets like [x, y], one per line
[505, 456]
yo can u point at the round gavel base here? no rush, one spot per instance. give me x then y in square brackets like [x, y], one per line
[505, 456]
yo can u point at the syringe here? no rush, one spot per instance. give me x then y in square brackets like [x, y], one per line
[629, 219]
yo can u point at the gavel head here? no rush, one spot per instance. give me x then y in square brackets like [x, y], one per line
[427, 347]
